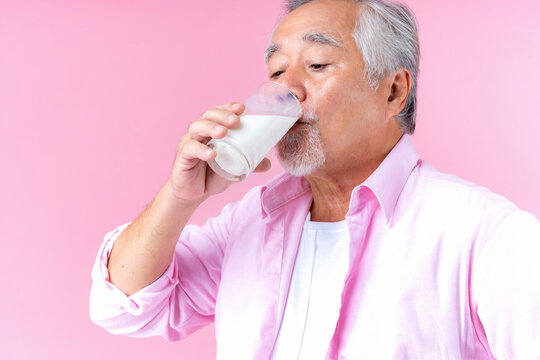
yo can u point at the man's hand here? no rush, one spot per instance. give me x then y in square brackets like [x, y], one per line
[144, 250]
[191, 179]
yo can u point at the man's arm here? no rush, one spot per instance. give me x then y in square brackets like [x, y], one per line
[506, 288]
[145, 249]
[177, 303]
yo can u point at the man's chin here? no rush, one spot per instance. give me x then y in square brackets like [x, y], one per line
[300, 151]
[304, 168]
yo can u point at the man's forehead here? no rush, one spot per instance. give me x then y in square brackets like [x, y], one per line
[320, 22]
[327, 16]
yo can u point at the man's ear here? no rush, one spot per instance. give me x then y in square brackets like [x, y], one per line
[399, 91]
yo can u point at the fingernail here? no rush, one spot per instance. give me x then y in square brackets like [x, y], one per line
[232, 118]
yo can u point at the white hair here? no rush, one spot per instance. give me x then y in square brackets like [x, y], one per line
[386, 33]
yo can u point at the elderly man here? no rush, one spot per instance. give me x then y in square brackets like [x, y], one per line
[360, 251]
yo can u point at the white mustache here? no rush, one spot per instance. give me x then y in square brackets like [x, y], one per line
[309, 117]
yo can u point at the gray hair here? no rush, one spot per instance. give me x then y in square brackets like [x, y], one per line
[386, 34]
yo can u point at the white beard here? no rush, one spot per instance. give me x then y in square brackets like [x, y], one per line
[301, 152]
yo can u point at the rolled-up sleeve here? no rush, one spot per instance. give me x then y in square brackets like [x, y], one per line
[176, 304]
[506, 288]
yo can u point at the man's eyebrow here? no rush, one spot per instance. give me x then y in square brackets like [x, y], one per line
[316, 38]
[322, 39]
[272, 48]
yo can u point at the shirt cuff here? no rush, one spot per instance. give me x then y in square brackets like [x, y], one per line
[111, 297]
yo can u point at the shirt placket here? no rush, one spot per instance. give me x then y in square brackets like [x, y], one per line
[358, 219]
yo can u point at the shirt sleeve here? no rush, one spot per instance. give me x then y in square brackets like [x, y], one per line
[180, 301]
[506, 288]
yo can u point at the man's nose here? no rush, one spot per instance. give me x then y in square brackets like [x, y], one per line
[294, 82]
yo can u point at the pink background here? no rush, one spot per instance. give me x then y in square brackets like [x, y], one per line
[95, 95]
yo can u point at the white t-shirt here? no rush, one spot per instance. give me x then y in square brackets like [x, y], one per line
[314, 297]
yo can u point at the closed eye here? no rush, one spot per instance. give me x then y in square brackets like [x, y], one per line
[318, 67]
[276, 74]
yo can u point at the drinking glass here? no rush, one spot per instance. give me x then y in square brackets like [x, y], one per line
[270, 112]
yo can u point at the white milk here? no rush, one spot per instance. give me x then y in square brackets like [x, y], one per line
[258, 134]
[244, 147]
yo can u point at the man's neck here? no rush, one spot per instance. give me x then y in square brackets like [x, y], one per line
[332, 194]
[332, 188]
[330, 201]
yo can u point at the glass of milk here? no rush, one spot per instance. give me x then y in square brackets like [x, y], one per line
[270, 112]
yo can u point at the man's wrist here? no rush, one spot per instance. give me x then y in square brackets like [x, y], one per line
[170, 196]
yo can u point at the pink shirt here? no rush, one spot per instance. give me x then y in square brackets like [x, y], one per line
[439, 269]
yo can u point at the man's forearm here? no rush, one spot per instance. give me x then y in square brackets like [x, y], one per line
[145, 248]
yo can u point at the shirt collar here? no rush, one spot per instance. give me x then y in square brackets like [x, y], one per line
[386, 182]
[282, 189]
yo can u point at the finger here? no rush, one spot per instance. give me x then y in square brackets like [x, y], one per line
[221, 116]
[205, 129]
[235, 107]
[263, 166]
[195, 150]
